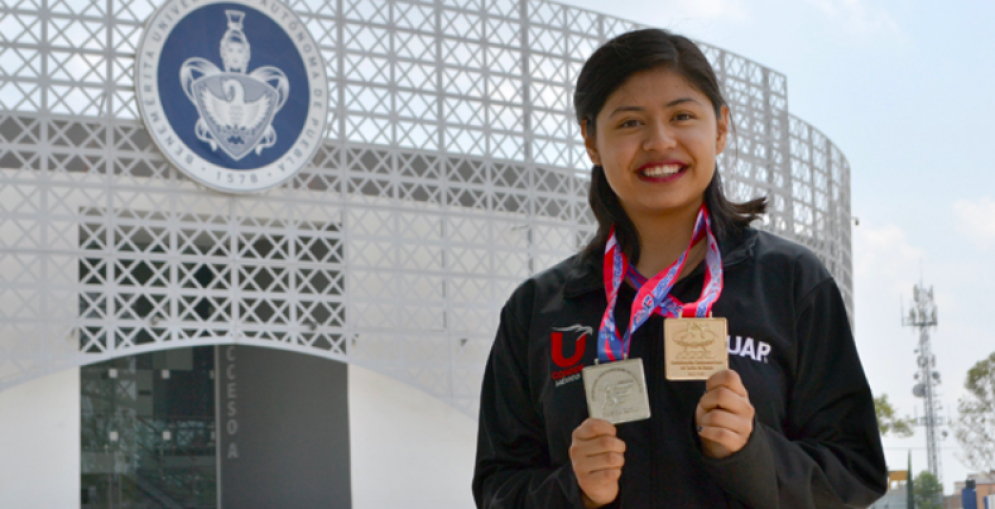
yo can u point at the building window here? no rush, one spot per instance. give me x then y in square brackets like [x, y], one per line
[148, 431]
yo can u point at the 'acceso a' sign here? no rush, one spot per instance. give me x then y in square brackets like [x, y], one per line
[234, 93]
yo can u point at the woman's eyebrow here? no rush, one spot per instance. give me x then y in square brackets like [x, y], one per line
[675, 102]
[671, 104]
[622, 109]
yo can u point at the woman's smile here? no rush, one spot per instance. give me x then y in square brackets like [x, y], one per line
[661, 171]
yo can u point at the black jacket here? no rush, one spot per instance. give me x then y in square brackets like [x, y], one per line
[815, 441]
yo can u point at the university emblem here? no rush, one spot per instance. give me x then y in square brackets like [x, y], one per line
[577, 343]
[233, 93]
[567, 346]
[236, 109]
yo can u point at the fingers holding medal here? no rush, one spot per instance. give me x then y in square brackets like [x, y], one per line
[724, 415]
[597, 456]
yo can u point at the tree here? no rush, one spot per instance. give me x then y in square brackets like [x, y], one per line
[928, 491]
[888, 422]
[975, 429]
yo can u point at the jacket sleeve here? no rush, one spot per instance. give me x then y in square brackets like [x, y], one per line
[513, 468]
[828, 454]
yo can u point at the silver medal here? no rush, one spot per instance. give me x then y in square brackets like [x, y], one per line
[616, 391]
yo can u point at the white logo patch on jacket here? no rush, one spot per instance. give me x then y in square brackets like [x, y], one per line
[748, 347]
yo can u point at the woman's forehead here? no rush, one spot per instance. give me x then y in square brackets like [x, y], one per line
[653, 87]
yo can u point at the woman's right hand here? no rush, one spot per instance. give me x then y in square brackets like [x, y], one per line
[597, 455]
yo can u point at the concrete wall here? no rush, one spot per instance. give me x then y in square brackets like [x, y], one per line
[40, 443]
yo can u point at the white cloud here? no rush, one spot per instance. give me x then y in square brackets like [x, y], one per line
[976, 220]
[859, 17]
[883, 256]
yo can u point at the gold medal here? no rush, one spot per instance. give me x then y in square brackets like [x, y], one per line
[695, 347]
[616, 391]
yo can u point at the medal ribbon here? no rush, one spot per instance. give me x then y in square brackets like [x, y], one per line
[653, 296]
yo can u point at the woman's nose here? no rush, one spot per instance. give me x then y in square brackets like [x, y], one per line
[659, 138]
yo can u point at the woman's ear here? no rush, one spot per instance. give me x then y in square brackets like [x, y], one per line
[722, 126]
[589, 143]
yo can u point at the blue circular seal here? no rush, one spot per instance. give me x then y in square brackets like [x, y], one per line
[234, 93]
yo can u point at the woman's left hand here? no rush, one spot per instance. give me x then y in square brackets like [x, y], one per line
[724, 415]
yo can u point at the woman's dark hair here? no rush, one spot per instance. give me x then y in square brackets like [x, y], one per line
[607, 69]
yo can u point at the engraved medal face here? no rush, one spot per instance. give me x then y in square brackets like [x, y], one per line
[616, 391]
[695, 347]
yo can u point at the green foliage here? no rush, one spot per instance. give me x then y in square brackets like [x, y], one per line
[928, 491]
[975, 428]
[888, 423]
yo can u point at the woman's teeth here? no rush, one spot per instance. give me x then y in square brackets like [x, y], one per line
[662, 171]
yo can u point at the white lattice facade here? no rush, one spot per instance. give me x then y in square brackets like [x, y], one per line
[452, 169]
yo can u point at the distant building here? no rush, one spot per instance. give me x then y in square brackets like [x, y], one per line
[984, 488]
[894, 499]
[897, 495]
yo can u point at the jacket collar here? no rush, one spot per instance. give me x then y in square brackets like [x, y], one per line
[585, 276]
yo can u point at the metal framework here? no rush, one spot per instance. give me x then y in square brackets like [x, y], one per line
[451, 171]
[922, 316]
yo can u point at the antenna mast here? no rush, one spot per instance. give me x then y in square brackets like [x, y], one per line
[923, 317]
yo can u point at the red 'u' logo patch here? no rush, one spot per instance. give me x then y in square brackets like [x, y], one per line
[579, 346]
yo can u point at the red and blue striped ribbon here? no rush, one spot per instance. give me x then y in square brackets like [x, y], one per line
[653, 295]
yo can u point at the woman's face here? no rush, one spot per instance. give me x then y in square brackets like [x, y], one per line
[657, 138]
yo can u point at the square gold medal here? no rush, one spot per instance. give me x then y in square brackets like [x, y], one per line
[695, 347]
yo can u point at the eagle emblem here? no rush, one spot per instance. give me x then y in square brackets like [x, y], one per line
[696, 336]
[236, 108]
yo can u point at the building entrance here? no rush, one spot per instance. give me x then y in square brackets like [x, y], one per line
[148, 431]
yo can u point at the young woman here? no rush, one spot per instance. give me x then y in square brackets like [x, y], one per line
[790, 424]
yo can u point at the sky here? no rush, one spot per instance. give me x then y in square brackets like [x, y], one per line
[903, 89]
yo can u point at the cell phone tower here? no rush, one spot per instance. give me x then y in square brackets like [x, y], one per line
[922, 316]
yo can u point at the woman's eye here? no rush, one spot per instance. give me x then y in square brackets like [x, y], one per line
[629, 123]
[683, 116]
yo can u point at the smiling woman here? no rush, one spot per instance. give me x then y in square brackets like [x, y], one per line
[668, 410]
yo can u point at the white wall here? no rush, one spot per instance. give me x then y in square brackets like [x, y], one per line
[409, 449]
[40, 443]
